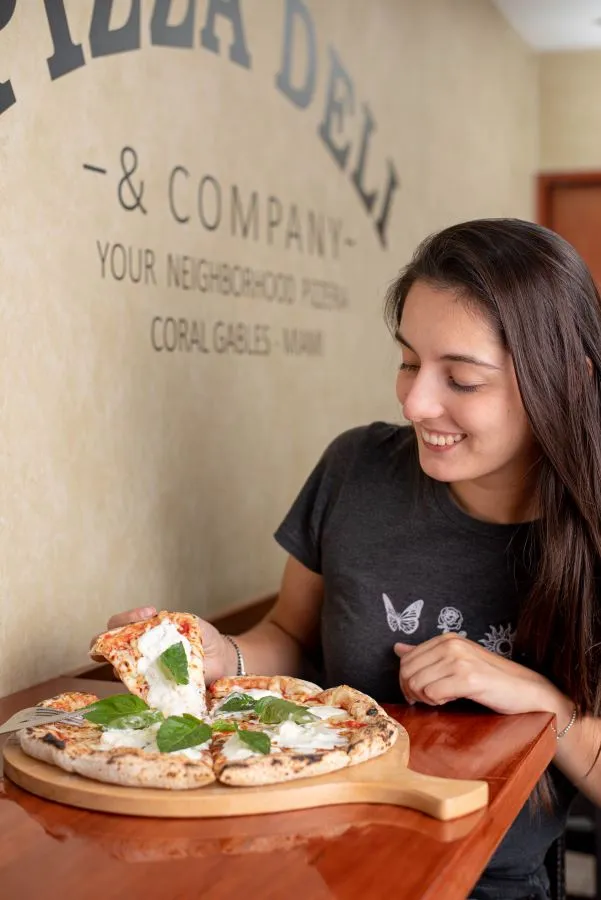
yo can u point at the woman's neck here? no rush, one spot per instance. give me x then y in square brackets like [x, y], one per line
[497, 500]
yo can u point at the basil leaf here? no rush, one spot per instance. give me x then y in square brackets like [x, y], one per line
[274, 710]
[103, 712]
[256, 740]
[138, 720]
[238, 703]
[224, 725]
[180, 732]
[174, 663]
[302, 716]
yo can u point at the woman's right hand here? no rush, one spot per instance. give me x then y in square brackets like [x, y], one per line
[219, 655]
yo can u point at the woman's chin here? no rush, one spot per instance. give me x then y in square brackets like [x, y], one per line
[442, 463]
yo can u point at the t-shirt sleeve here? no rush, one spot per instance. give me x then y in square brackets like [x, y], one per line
[300, 534]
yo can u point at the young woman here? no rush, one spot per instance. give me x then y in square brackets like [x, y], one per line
[458, 557]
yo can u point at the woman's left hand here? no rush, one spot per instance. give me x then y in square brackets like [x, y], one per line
[449, 667]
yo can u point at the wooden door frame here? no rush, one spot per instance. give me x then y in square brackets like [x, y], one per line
[547, 181]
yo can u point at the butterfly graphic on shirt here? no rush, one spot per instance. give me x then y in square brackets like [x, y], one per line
[406, 621]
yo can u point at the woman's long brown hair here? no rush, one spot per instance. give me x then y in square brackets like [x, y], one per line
[541, 299]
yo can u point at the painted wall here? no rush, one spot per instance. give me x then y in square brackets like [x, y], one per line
[570, 114]
[203, 204]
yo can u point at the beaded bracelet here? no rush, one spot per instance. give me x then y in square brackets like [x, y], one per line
[240, 669]
[565, 730]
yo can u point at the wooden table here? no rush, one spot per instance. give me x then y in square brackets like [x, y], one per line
[344, 852]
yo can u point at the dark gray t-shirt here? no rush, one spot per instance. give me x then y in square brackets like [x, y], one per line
[402, 562]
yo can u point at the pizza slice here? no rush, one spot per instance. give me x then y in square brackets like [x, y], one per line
[160, 660]
[124, 742]
[271, 730]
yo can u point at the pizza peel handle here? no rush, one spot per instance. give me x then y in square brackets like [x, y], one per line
[442, 798]
[387, 779]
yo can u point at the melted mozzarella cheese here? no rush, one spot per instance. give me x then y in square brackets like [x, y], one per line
[288, 736]
[145, 739]
[328, 712]
[258, 694]
[234, 750]
[192, 752]
[164, 694]
[291, 736]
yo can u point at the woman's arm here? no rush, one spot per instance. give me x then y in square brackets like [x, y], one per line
[578, 748]
[448, 667]
[275, 646]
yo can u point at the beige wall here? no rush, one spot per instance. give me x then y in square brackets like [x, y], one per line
[137, 476]
[570, 112]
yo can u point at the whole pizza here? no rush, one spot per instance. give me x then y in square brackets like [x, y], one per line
[170, 732]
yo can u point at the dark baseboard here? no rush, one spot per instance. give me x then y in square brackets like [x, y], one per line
[241, 618]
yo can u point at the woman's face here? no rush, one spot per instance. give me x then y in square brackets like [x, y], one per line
[457, 387]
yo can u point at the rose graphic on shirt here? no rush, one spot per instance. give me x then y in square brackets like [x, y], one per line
[450, 619]
[500, 640]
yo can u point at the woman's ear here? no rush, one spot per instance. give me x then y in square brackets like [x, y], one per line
[589, 365]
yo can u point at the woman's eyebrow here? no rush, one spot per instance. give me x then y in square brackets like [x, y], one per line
[452, 357]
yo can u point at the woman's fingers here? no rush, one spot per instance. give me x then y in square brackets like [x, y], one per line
[416, 659]
[443, 690]
[414, 671]
[138, 614]
[418, 685]
[447, 657]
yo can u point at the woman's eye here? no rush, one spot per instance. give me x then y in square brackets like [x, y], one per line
[463, 388]
[454, 385]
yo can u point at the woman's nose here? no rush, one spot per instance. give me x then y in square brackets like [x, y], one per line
[420, 398]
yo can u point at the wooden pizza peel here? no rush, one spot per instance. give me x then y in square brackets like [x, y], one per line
[386, 779]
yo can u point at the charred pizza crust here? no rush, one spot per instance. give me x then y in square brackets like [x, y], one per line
[78, 748]
[290, 688]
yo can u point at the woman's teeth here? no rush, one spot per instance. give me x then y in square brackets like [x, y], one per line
[439, 440]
